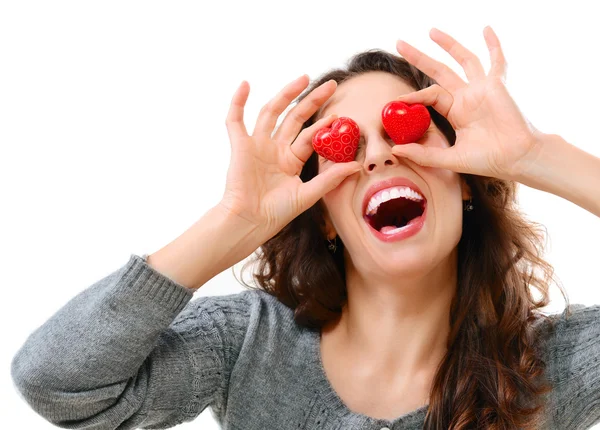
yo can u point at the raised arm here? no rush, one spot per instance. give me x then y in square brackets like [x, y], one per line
[117, 355]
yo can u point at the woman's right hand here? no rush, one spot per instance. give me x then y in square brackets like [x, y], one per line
[263, 183]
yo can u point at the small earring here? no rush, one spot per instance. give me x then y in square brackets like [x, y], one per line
[332, 246]
[468, 206]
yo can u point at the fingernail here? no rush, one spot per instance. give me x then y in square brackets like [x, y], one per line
[325, 83]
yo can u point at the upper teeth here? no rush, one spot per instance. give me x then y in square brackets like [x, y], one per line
[391, 193]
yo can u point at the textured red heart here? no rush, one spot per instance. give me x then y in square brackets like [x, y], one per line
[339, 142]
[405, 123]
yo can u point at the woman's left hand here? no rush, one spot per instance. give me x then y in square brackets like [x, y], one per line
[493, 138]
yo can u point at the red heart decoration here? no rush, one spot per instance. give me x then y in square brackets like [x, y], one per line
[405, 123]
[339, 142]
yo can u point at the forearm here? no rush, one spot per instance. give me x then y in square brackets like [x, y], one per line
[212, 244]
[565, 170]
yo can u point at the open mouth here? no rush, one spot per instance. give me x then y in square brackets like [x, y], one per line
[395, 213]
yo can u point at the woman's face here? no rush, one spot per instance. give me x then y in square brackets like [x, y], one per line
[362, 98]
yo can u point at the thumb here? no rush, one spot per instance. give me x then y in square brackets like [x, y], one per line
[310, 192]
[427, 155]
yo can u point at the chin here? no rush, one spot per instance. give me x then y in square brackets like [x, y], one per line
[406, 261]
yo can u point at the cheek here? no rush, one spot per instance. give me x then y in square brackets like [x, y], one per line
[438, 141]
[447, 180]
[339, 200]
[336, 198]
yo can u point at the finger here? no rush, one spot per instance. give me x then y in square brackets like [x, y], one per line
[441, 73]
[430, 156]
[469, 61]
[310, 192]
[235, 117]
[268, 115]
[434, 96]
[499, 65]
[301, 149]
[292, 124]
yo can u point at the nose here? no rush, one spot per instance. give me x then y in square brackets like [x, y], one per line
[378, 154]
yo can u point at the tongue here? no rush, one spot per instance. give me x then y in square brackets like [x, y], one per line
[389, 228]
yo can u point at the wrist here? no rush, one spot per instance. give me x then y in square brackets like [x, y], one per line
[565, 170]
[531, 170]
[233, 218]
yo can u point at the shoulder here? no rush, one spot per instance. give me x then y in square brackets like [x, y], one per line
[570, 339]
[244, 303]
[252, 328]
[571, 345]
[572, 330]
[237, 312]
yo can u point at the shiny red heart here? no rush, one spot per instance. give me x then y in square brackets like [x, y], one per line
[339, 142]
[405, 123]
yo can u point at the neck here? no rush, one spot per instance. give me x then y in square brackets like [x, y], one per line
[398, 325]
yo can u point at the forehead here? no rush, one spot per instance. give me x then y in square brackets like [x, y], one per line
[365, 92]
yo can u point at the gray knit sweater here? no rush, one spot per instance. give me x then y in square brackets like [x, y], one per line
[134, 351]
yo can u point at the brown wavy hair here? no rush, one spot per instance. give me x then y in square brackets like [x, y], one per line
[492, 362]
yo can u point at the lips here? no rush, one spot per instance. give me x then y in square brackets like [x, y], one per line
[386, 183]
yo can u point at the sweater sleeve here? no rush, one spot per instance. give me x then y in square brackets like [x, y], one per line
[132, 351]
[576, 356]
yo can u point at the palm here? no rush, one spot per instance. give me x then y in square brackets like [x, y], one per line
[492, 135]
[262, 180]
[263, 184]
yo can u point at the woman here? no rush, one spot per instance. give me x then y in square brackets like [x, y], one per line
[349, 328]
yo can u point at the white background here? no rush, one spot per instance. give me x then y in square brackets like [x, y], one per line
[113, 138]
